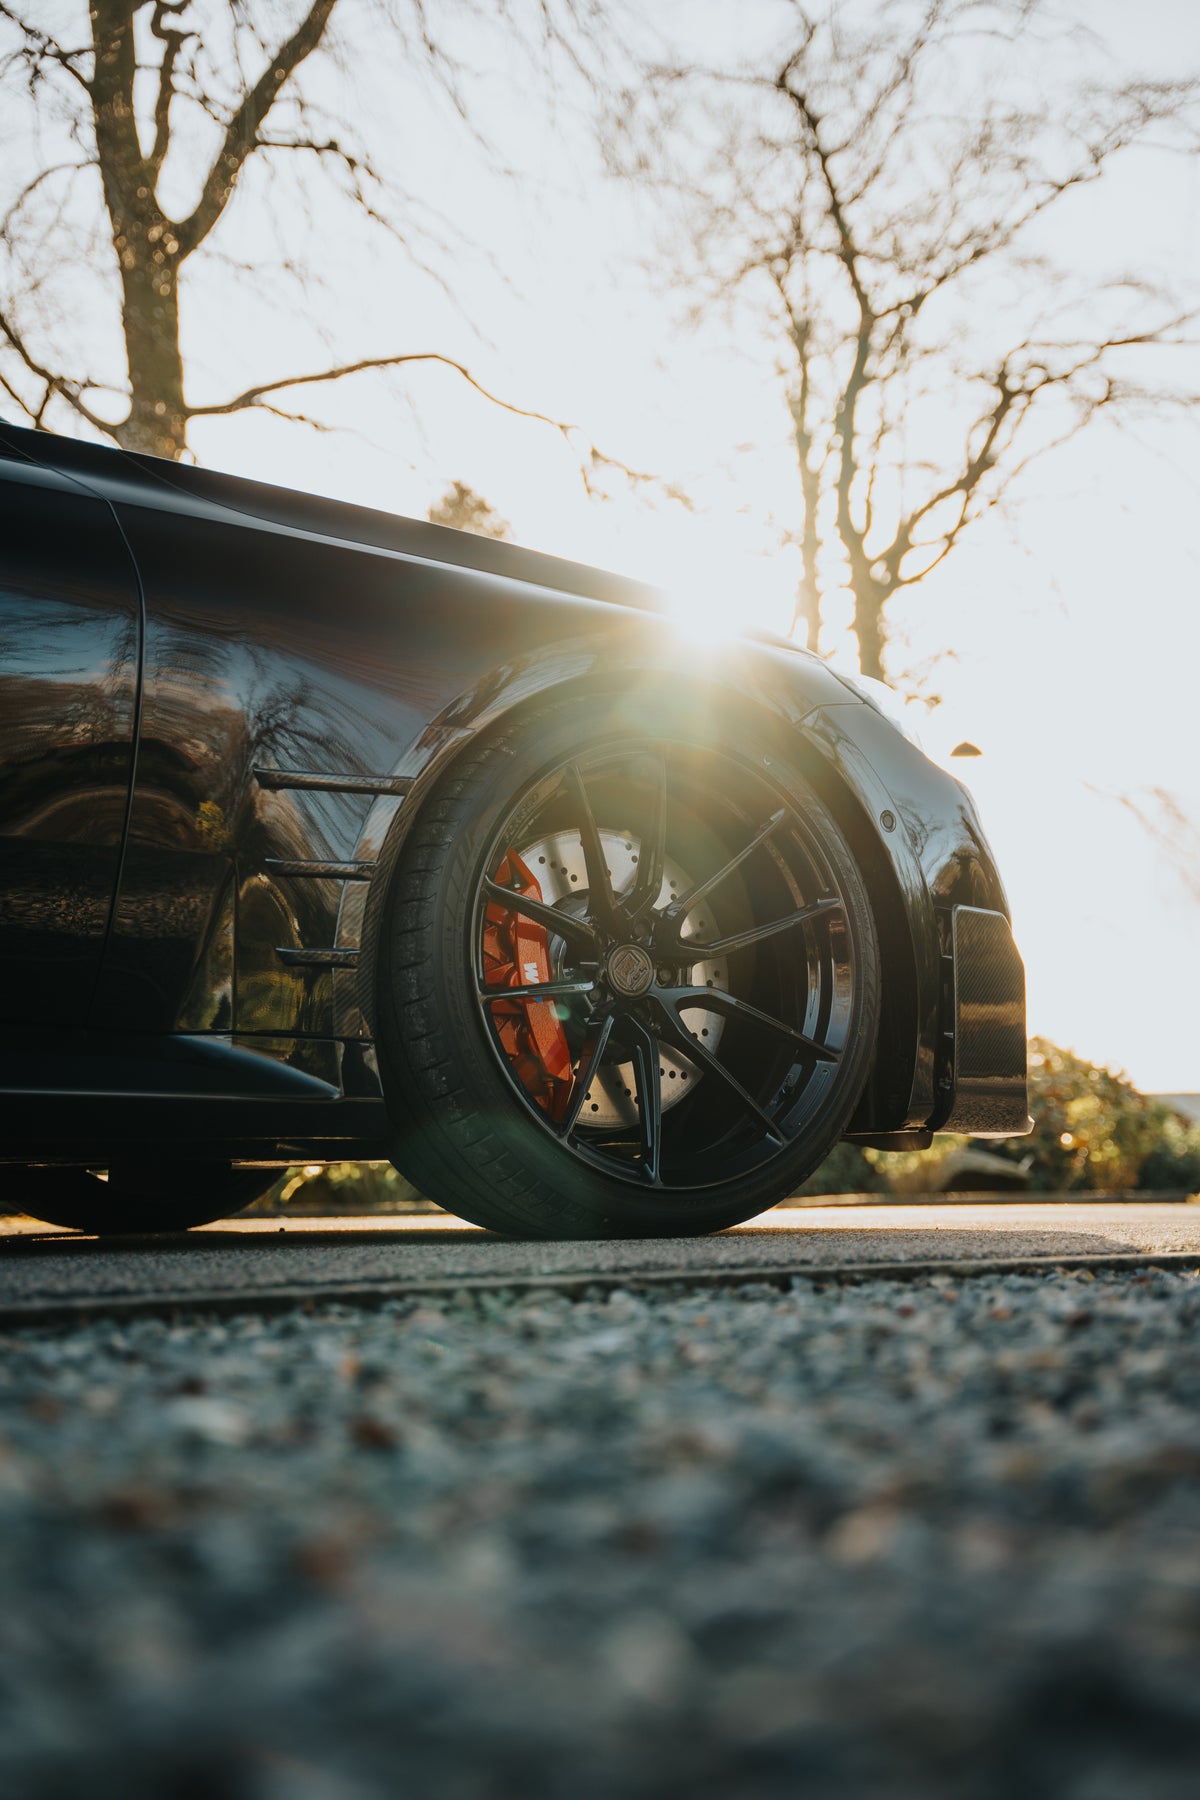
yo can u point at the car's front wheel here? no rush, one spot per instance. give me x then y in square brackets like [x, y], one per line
[628, 980]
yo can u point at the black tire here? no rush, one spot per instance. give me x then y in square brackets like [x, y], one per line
[137, 1199]
[790, 984]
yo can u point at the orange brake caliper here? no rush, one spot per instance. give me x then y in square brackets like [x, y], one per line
[516, 953]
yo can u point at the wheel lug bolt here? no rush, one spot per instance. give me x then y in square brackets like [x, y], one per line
[664, 977]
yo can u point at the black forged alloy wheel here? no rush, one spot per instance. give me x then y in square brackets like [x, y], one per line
[629, 983]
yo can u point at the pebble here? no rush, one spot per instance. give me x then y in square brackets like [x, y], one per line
[889, 1540]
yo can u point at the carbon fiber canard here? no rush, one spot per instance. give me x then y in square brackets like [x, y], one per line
[990, 1094]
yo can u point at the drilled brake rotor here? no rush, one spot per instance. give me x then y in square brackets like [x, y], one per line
[560, 868]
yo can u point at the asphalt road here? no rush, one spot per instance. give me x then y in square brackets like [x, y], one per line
[266, 1261]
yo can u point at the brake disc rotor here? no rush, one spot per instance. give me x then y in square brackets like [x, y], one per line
[559, 865]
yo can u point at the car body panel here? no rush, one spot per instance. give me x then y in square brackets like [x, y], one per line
[70, 627]
[310, 672]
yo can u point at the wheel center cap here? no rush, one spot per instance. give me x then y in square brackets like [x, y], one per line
[630, 969]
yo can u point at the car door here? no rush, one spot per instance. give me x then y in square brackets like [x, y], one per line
[70, 638]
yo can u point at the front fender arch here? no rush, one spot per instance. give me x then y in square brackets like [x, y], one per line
[738, 700]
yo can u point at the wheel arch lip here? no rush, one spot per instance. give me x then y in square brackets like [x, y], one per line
[630, 651]
[933, 854]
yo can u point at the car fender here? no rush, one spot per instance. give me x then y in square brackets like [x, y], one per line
[797, 705]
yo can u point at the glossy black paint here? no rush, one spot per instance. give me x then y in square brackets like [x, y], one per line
[308, 672]
[69, 650]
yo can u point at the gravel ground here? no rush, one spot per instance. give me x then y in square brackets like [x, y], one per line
[886, 1540]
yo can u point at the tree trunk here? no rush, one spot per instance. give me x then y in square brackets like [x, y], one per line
[808, 609]
[808, 594]
[157, 421]
[869, 627]
[146, 246]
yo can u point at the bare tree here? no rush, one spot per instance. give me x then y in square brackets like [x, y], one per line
[137, 102]
[885, 192]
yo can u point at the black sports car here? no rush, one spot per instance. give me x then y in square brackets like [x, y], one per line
[326, 834]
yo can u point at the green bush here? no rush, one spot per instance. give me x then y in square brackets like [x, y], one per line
[1175, 1160]
[1092, 1131]
[344, 1187]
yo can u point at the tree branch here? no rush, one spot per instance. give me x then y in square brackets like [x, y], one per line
[251, 396]
[241, 136]
[40, 46]
[590, 460]
[70, 391]
[173, 42]
[15, 397]
[848, 251]
[1016, 398]
[859, 378]
[31, 187]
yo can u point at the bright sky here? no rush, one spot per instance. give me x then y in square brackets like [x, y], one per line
[1074, 626]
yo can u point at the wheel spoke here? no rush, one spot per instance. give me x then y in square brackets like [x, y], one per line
[620, 846]
[600, 894]
[716, 1000]
[652, 850]
[574, 930]
[738, 940]
[537, 990]
[695, 1051]
[703, 888]
[649, 1091]
[590, 1059]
